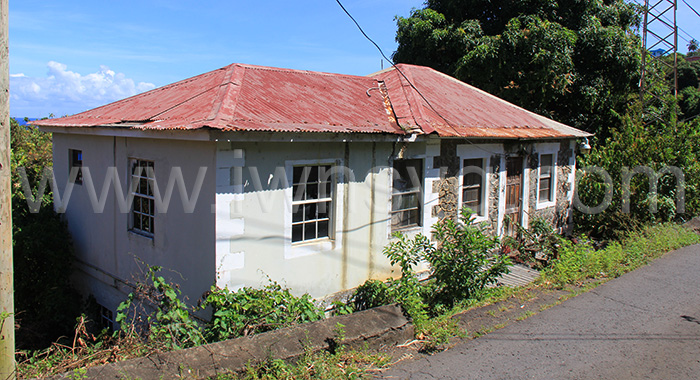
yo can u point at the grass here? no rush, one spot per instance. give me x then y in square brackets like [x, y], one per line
[580, 262]
[344, 364]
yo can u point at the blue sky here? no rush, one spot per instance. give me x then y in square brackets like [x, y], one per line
[72, 55]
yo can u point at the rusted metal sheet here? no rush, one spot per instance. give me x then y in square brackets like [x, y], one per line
[425, 98]
[244, 97]
[255, 98]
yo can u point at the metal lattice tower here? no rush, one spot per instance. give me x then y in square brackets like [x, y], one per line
[659, 41]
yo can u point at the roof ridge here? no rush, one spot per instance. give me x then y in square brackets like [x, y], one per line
[224, 89]
[301, 71]
[404, 73]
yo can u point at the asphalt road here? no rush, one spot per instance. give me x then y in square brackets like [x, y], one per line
[643, 325]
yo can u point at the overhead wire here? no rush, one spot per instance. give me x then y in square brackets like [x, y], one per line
[409, 81]
[691, 8]
[679, 28]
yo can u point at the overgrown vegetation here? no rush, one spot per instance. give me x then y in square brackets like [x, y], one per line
[46, 305]
[251, 311]
[462, 261]
[579, 260]
[660, 147]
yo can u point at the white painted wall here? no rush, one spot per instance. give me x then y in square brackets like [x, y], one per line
[254, 216]
[183, 243]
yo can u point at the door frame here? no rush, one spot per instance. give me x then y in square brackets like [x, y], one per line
[524, 188]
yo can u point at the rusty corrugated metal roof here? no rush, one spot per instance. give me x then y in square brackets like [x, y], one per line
[254, 98]
[456, 109]
[250, 98]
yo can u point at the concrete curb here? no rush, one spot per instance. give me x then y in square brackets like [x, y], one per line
[375, 328]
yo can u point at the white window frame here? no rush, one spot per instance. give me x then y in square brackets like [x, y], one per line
[328, 198]
[482, 214]
[421, 196]
[484, 152]
[149, 198]
[546, 149]
[306, 248]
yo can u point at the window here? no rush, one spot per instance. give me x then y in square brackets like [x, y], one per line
[545, 181]
[473, 185]
[406, 203]
[106, 318]
[312, 202]
[75, 160]
[143, 209]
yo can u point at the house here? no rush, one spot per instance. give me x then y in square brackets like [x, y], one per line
[297, 175]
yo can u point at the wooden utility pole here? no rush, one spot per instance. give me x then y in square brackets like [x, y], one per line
[7, 319]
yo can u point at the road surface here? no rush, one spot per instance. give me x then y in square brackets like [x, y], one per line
[643, 325]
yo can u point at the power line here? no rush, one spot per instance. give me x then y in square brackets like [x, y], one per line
[691, 8]
[408, 80]
[669, 21]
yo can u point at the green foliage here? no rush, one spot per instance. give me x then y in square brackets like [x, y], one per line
[168, 321]
[344, 364]
[371, 294]
[580, 260]
[406, 290]
[249, 311]
[633, 145]
[539, 239]
[438, 331]
[576, 61]
[463, 262]
[46, 304]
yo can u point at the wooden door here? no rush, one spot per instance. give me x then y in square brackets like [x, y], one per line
[514, 194]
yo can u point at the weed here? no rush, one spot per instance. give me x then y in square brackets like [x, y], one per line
[169, 324]
[525, 315]
[579, 260]
[249, 311]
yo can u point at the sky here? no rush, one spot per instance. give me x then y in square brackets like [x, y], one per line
[73, 55]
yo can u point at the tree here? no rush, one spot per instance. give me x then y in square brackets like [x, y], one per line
[45, 302]
[575, 61]
[692, 47]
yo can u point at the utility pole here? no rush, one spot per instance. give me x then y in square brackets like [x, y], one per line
[7, 318]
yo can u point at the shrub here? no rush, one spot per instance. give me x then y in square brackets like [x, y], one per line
[371, 294]
[634, 144]
[249, 311]
[464, 261]
[167, 319]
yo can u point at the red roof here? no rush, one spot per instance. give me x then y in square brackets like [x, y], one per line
[434, 102]
[254, 98]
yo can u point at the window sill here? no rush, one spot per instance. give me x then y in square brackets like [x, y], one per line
[142, 234]
[407, 229]
[306, 248]
[544, 205]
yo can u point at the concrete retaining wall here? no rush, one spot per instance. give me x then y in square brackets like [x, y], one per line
[375, 328]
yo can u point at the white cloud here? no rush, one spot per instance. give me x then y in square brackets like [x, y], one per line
[64, 92]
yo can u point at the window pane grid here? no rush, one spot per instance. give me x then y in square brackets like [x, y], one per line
[472, 184]
[143, 207]
[406, 199]
[545, 181]
[312, 202]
